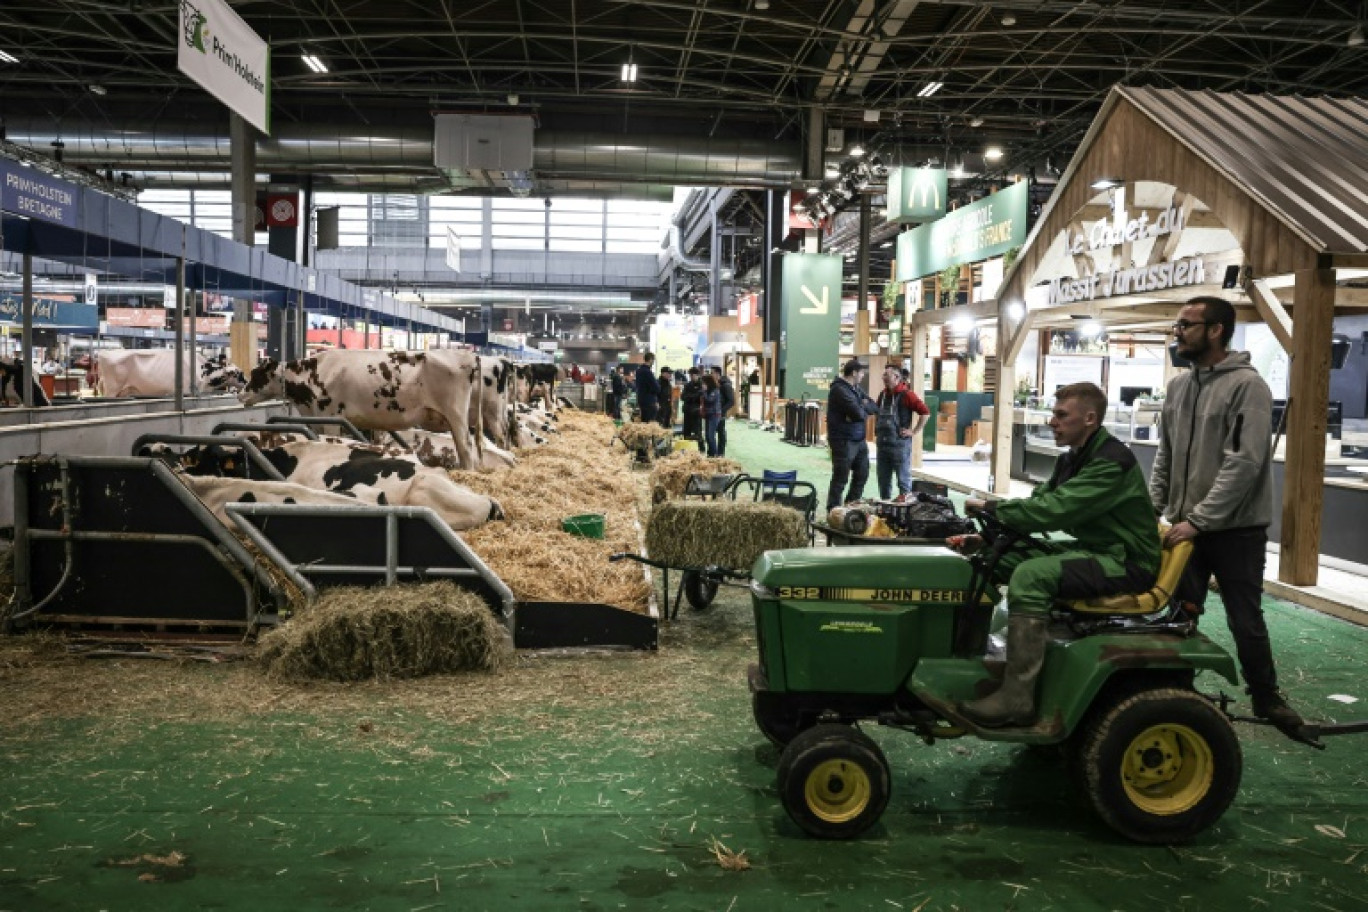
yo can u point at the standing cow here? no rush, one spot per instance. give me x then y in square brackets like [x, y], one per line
[437, 390]
[12, 371]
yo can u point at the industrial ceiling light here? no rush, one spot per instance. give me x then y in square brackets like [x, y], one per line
[992, 153]
[513, 98]
[629, 72]
[1009, 19]
[976, 122]
[1355, 37]
[762, 5]
[931, 88]
[857, 150]
[313, 63]
[957, 169]
[98, 89]
[832, 172]
[8, 58]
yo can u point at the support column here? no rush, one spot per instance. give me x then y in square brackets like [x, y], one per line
[1307, 400]
[26, 333]
[776, 230]
[179, 323]
[862, 299]
[242, 347]
[715, 260]
[1009, 347]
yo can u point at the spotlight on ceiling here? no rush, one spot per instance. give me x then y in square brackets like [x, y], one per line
[992, 153]
[1009, 19]
[1355, 37]
[1106, 183]
[98, 89]
[976, 122]
[762, 4]
[931, 88]
[313, 63]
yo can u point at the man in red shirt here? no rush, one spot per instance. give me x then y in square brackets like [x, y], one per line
[901, 417]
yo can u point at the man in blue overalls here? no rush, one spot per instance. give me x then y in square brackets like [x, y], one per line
[901, 416]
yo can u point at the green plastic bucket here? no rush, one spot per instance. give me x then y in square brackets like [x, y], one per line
[586, 525]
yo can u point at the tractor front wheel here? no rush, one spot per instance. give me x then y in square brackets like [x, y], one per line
[699, 589]
[833, 781]
[1161, 765]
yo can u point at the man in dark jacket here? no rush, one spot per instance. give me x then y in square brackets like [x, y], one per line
[1213, 479]
[847, 407]
[617, 391]
[665, 411]
[691, 402]
[1097, 495]
[647, 390]
[727, 393]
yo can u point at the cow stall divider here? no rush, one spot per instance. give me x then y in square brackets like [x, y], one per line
[105, 543]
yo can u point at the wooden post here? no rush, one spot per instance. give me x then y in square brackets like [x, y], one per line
[1004, 399]
[1307, 400]
[916, 372]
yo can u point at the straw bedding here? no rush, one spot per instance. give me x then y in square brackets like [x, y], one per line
[575, 472]
[721, 533]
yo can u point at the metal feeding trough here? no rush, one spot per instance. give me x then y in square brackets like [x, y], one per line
[111, 542]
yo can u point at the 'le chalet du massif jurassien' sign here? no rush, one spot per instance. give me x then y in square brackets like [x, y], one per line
[1134, 279]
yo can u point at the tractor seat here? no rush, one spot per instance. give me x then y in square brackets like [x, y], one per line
[1171, 563]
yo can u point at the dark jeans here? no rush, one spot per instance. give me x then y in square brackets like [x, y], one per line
[722, 436]
[710, 425]
[648, 409]
[894, 457]
[1236, 558]
[849, 460]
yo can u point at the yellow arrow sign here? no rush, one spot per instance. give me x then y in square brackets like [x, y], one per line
[818, 307]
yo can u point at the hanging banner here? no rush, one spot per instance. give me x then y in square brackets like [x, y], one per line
[221, 52]
[988, 228]
[810, 323]
[50, 313]
[916, 194]
[29, 192]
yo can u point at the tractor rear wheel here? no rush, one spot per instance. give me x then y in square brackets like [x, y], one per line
[833, 781]
[699, 589]
[1160, 766]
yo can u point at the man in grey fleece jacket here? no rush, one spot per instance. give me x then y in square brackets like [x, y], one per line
[1213, 479]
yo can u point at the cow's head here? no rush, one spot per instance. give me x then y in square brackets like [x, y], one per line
[219, 375]
[263, 383]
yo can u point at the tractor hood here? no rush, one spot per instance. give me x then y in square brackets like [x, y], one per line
[898, 573]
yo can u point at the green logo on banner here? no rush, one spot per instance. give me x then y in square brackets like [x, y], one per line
[811, 321]
[916, 194]
[988, 228]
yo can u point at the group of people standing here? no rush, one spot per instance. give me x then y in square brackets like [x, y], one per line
[900, 415]
[706, 398]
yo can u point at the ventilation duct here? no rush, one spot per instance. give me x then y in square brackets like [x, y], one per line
[558, 157]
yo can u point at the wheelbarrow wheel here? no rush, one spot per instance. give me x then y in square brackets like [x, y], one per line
[699, 589]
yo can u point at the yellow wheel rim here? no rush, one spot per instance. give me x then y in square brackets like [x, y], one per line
[1167, 769]
[837, 791]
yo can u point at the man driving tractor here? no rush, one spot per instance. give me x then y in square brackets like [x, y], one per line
[1096, 494]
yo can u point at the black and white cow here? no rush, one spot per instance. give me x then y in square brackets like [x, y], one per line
[12, 372]
[436, 390]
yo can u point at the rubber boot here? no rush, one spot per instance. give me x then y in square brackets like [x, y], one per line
[1014, 703]
[1272, 705]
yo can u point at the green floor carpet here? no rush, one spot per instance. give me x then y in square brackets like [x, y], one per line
[608, 782]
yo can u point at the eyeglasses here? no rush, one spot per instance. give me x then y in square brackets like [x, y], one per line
[1182, 326]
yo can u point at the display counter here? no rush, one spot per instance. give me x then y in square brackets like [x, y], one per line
[1344, 534]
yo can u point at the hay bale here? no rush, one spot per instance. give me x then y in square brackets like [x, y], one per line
[721, 533]
[637, 433]
[672, 473]
[407, 631]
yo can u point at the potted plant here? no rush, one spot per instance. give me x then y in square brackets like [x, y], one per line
[949, 283]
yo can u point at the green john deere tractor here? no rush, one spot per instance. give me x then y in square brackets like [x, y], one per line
[900, 635]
